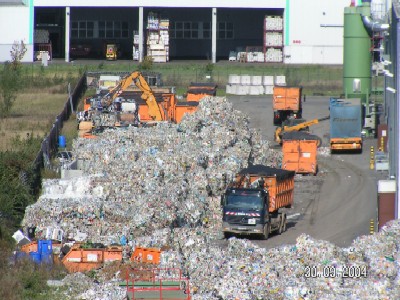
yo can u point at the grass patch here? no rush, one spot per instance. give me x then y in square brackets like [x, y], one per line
[32, 114]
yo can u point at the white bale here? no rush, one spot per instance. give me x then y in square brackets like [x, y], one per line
[268, 80]
[256, 90]
[234, 79]
[256, 80]
[231, 89]
[268, 89]
[280, 80]
[242, 90]
[245, 80]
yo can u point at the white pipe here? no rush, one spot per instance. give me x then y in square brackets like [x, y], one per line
[331, 25]
[214, 36]
[67, 32]
[141, 33]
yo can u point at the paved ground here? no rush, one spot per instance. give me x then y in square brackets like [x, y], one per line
[337, 204]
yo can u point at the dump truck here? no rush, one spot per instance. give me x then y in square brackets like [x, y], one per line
[252, 204]
[300, 152]
[293, 125]
[345, 125]
[286, 102]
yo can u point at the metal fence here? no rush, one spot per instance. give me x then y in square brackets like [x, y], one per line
[50, 145]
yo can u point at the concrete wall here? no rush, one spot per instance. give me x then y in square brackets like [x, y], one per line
[15, 27]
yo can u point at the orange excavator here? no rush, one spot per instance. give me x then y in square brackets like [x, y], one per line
[147, 94]
[165, 109]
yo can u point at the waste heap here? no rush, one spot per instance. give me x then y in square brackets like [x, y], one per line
[139, 180]
[160, 187]
[242, 270]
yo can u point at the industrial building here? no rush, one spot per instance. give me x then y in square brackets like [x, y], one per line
[311, 31]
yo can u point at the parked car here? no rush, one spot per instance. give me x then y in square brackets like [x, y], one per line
[80, 51]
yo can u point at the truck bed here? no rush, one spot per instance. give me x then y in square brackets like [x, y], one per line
[279, 183]
[286, 98]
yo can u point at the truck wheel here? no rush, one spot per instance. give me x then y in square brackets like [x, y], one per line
[283, 226]
[281, 222]
[267, 230]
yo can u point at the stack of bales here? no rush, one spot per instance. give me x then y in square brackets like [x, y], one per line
[253, 84]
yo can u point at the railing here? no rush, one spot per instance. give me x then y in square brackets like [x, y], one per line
[156, 277]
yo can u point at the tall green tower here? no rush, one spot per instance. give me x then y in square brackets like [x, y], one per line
[357, 53]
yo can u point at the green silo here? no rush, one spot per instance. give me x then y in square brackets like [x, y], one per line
[357, 53]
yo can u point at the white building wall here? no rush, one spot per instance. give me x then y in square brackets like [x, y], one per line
[315, 33]
[163, 3]
[15, 26]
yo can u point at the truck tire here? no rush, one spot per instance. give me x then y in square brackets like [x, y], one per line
[283, 225]
[267, 230]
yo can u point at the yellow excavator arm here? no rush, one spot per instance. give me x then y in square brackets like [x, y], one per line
[147, 94]
[300, 126]
[279, 131]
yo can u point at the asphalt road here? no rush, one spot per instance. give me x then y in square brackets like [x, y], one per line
[337, 204]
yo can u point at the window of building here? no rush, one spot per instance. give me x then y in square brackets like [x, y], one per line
[225, 30]
[189, 30]
[82, 29]
[113, 29]
[206, 30]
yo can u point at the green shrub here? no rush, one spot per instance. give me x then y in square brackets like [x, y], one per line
[147, 63]
[9, 85]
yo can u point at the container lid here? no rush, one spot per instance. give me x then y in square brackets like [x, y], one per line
[299, 135]
[262, 170]
[203, 84]
[188, 103]
[197, 91]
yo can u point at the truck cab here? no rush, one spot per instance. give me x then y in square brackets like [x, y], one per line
[245, 211]
[253, 202]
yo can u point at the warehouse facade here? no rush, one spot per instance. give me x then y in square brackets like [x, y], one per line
[312, 31]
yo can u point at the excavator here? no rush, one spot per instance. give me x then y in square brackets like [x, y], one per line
[291, 125]
[167, 110]
[147, 94]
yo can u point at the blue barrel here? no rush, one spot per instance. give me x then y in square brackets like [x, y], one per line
[62, 142]
[45, 247]
[36, 257]
[46, 258]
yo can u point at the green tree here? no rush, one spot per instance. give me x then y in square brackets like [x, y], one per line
[10, 79]
[17, 53]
